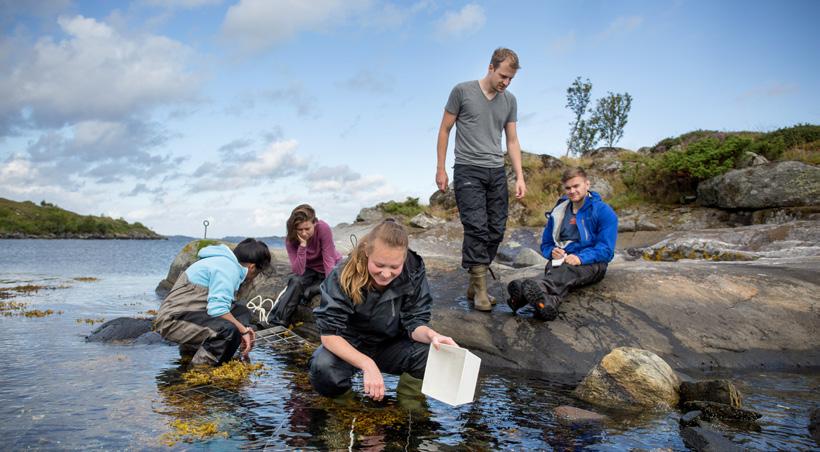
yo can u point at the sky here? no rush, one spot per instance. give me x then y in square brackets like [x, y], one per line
[173, 112]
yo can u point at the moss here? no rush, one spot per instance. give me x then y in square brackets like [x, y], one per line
[38, 313]
[203, 243]
[409, 207]
[90, 321]
[86, 279]
[151, 312]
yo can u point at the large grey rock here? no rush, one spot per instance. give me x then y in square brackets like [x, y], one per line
[121, 329]
[720, 390]
[425, 221]
[528, 257]
[781, 184]
[601, 186]
[630, 378]
[183, 259]
[749, 158]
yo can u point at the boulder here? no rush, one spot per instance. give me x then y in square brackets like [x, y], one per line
[749, 158]
[121, 329]
[186, 257]
[528, 257]
[425, 221]
[706, 439]
[781, 184]
[445, 200]
[601, 186]
[690, 419]
[573, 415]
[370, 215]
[630, 378]
[721, 391]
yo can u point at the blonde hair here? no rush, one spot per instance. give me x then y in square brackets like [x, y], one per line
[354, 275]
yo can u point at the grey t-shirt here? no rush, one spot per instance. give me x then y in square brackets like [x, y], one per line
[479, 123]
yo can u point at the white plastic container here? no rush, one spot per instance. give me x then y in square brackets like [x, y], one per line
[451, 375]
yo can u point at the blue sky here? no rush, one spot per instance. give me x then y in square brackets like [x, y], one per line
[171, 112]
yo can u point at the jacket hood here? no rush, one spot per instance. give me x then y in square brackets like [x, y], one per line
[592, 196]
[217, 250]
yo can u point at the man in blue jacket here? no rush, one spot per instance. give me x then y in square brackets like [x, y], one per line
[579, 241]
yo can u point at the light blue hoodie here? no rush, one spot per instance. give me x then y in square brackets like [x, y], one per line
[219, 271]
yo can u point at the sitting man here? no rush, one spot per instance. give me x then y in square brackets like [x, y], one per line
[579, 241]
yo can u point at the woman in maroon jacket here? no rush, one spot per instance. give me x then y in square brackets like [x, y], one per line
[312, 255]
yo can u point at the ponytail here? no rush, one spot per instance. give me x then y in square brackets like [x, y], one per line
[354, 275]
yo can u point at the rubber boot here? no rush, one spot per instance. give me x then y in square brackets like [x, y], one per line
[345, 399]
[408, 394]
[516, 291]
[471, 294]
[204, 357]
[478, 280]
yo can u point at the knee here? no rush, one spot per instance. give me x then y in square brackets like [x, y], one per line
[418, 359]
[328, 376]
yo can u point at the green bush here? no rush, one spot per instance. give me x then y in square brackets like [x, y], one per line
[772, 145]
[409, 207]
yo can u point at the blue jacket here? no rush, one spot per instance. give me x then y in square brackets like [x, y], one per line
[219, 271]
[597, 224]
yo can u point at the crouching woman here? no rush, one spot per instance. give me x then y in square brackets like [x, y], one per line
[200, 313]
[373, 317]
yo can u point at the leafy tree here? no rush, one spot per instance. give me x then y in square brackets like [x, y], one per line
[582, 134]
[610, 116]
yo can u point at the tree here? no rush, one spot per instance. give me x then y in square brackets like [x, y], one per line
[581, 135]
[610, 116]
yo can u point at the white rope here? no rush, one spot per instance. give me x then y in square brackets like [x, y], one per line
[259, 309]
[352, 437]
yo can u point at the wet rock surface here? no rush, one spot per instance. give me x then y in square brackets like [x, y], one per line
[711, 411]
[121, 329]
[704, 438]
[630, 377]
[720, 391]
[814, 425]
[572, 415]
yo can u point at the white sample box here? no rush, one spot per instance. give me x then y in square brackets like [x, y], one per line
[451, 375]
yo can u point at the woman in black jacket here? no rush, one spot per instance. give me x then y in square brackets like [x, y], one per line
[373, 316]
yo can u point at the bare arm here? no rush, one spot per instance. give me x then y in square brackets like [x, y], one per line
[247, 339]
[514, 149]
[427, 335]
[373, 381]
[447, 123]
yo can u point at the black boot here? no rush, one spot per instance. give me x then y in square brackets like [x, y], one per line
[545, 305]
[516, 291]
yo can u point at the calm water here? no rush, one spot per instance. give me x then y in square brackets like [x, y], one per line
[59, 392]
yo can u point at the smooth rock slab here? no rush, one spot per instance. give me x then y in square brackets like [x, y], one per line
[629, 378]
[705, 439]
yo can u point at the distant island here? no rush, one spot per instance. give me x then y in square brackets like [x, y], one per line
[27, 220]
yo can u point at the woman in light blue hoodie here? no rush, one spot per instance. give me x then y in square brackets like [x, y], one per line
[200, 312]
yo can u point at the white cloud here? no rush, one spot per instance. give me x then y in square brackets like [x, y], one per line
[563, 44]
[181, 4]
[776, 89]
[255, 25]
[368, 81]
[467, 21]
[95, 73]
[621, 24]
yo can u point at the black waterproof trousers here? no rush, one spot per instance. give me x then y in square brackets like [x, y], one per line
[558, 281]
[331, 376]
[225, 337]
[300, 289]
[482, 199]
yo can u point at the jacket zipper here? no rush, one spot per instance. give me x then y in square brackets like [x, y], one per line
[393, 307]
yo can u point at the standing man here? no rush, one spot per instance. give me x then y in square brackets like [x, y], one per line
[481, 109]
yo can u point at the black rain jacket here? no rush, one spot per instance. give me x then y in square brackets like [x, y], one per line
[383, 316]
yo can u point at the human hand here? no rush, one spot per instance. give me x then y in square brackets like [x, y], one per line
[520, 188]
[442, 180]
[572, 260]
[558, 253]
[302, 240]
[373, 382]
[247, 341]
[438, 339]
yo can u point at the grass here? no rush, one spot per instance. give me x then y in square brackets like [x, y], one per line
[408, 208]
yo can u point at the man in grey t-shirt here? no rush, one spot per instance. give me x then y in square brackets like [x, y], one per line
[481, 110]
